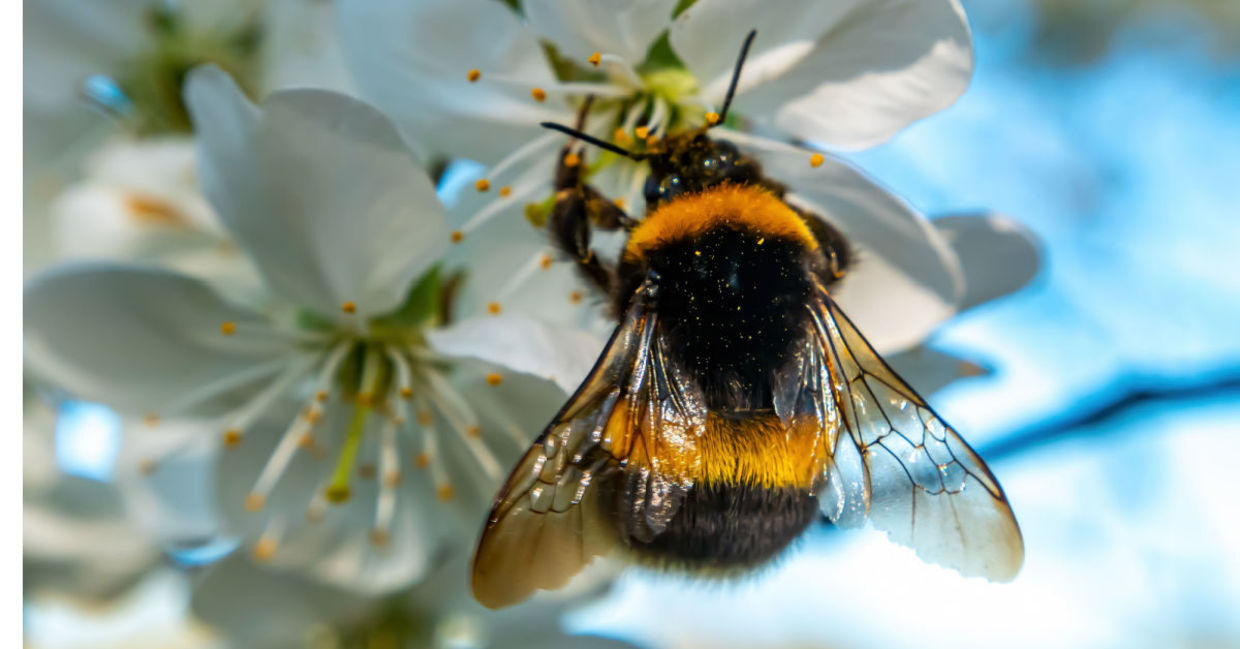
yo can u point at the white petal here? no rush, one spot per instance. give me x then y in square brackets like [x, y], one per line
[847, 77]
[521, 343]
[164, 475]
[906, 279]
[578, 28]
[321, 193]
[411, 59]
[301, 47]
[136, 338]
[930, 370]
[999, 255]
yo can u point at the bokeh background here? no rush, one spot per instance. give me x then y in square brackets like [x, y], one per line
[1109, 408]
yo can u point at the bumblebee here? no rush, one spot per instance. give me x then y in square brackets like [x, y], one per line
[735, 404]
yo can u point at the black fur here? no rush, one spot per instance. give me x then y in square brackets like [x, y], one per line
[723, 527]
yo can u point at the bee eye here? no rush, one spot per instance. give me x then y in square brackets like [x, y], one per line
[725, 151]
[652, 190]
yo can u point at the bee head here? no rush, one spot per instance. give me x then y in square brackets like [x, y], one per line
[692, 163]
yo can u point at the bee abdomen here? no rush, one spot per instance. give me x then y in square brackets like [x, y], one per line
[725, 526]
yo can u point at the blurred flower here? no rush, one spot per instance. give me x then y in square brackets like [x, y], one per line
[470, 77]
[437, 614]
[77, 541]
[349, 360]
[110, 72]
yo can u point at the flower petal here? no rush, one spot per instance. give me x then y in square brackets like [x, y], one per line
[906, 279]
[930, 370]
[845, 76]
[578, 28]
[320, 191]
[164, 476]
[998, 254]
[136, 338]
[523, 344]
[412, 59]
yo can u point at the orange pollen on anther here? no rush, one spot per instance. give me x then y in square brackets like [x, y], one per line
[349, 307]
[620, 136]
[232, 437]
[457, 236]
[422, 460]
[572, 160]
[544, 262]
[425, 418]
[494, 379]
[320, 396]
[505, 191]
[254, 502]
[816, 160]
[538, 94]
[228, 328]
[575, 297]
[445, 492]
[147, 467]
[482, 184]
[712, 118]
[494, 308]
[306, 440]
[379, 538]
[474, 431]
[474, 75]
[406, 392]
[264, 550]
[595, 59]
[150, 419]
[642, 132]
[313, 415]
[652, 140]
[392, 479]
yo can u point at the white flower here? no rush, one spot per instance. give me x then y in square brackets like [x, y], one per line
[331, 397]
[438, 614]
[77, 540]
[473, 78]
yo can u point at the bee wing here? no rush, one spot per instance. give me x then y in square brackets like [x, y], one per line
[900, 463]
[551, 518]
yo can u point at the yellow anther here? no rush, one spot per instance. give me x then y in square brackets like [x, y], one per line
[228, 328]
[150, 419]
[392, 479]
[816, 160]
[422, 460]
[494, 379]
[379, 538]
[320, 396]
[445, 492]
[538, 94]
[595, 59]
[544, 262]
[572, 160]
[482, 184]
[575, 297]
[621, 203]
[312, 415]
[712, 118]
[621, 137]
[406, 392]
[652, 140]
[232, 437]
[265, 549]
[147, 467]
[306, 440]
[474, 75]
[349, 307]
[457, 236]
[474, 431]
[337, 494]
[642, 132]
[425, 418]
[494, 308]
[254, 502]
[505, 191]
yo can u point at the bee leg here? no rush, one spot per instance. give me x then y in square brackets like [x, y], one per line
[569, 224]
[605, 214]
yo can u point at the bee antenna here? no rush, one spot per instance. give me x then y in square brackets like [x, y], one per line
[586, 137]
[736, 76]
